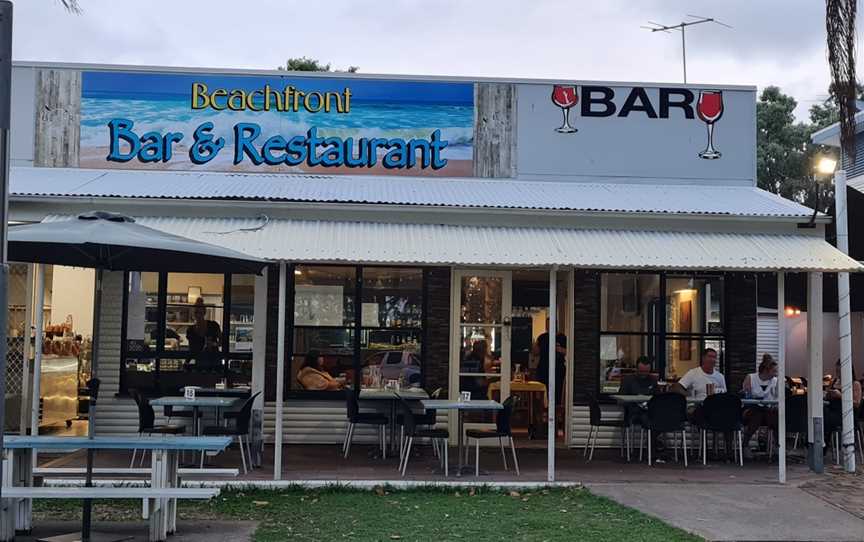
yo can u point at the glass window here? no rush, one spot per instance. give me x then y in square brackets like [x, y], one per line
[693, 305]
[324, 296]
[619, 355]
[630, 303]
[481, 300]
[392, 297]
[324, 328]
[671, 333]
[181, 330]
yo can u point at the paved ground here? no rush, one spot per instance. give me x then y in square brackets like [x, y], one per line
[210, 531]
[735, 511]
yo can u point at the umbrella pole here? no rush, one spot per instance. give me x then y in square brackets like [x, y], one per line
[93, 385]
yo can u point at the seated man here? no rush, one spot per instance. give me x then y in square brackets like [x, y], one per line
[695, 383]
[641, 383]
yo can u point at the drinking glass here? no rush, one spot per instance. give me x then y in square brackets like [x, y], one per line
[564, 96]
[710, 109]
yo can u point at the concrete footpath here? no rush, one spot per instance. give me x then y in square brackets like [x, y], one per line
[739, 511]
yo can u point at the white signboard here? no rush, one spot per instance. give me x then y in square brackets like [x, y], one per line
[598, 132]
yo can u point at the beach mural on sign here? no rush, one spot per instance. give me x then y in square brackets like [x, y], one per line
[290, 124]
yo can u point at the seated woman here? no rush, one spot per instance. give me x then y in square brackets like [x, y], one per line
[312, 375]
[760, 385]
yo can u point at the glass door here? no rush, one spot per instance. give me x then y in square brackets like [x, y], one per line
[482, 307]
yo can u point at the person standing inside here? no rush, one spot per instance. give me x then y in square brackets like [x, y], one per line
[204, 337]
[541, 353]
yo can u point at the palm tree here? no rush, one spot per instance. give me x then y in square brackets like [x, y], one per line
[840, 27]
[71, 6]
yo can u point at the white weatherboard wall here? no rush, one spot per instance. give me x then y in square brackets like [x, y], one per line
[636, 146]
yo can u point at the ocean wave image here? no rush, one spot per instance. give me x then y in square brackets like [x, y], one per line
[375, 112]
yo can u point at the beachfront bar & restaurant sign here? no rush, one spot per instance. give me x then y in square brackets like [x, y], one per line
[275, 123]
[348, 124]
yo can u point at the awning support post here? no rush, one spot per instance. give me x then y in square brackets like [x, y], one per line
[814, 386]
[280, 373]
[781, 377]
[845, 331]
[553, 343]
[25, 351]
[39, 325]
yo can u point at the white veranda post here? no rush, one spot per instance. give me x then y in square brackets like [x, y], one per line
[553, 334]
[280, 373]
[815, 427]
[845, 329]
[781, 377]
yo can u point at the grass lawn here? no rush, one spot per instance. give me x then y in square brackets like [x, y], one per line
[423, 514]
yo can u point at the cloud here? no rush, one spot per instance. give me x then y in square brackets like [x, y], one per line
[777, 42]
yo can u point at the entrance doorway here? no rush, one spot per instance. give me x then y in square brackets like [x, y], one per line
[498, 317]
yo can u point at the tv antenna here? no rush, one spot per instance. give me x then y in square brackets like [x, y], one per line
[697, 19]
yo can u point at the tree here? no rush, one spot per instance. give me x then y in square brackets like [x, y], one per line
[71, 6]
[840, 31]
[303, 64]
[784, 153]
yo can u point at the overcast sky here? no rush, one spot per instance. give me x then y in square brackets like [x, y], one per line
[779, 42]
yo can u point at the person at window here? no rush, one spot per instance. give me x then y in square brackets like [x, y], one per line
[204, 338]
[760, 385]
[312, 375]
[477, 360]
[541, 352]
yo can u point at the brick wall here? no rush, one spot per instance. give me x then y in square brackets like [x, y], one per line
[586, 339]
[740, 298]
[437, 333]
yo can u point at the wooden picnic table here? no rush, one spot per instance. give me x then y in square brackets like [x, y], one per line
[16, 512]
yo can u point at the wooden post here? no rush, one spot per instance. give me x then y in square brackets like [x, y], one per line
[280, 373]
[781, 377]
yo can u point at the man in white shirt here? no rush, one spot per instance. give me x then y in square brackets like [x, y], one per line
[695, 382]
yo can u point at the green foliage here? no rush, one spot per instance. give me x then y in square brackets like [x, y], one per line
[303, 64]
[785, 157]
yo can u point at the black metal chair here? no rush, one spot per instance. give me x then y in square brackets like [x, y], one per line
[796, 417]
[721, 413]
[355, 417]
[597, 421]
[429, 418]
[413, 431]
[240, 429]
[502, 430]
[667, 413]
[147, 423]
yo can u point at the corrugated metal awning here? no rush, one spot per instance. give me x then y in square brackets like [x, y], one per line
[696, 198]
[435, 244]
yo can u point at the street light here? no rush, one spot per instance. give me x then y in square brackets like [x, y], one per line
[826, 165]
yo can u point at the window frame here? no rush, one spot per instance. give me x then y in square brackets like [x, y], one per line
[159, 353]
[662, 336]
[357, 327]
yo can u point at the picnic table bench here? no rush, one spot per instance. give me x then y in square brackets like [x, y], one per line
[18, 491]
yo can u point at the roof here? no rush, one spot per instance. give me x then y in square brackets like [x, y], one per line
[437, 244]
[689, 199]
[830, 135]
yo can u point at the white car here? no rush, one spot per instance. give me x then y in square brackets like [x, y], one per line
[396, 364]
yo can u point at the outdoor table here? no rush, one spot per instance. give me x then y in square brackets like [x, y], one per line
[526, 386]
[622, 399]
[18, 471]
[460, 406]
[223, 392]
[381, 394]
[197, 403]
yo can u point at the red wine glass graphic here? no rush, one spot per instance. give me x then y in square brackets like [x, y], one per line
[710, 109]
[564, 96]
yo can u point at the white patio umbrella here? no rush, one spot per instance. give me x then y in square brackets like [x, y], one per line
[108, 241]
